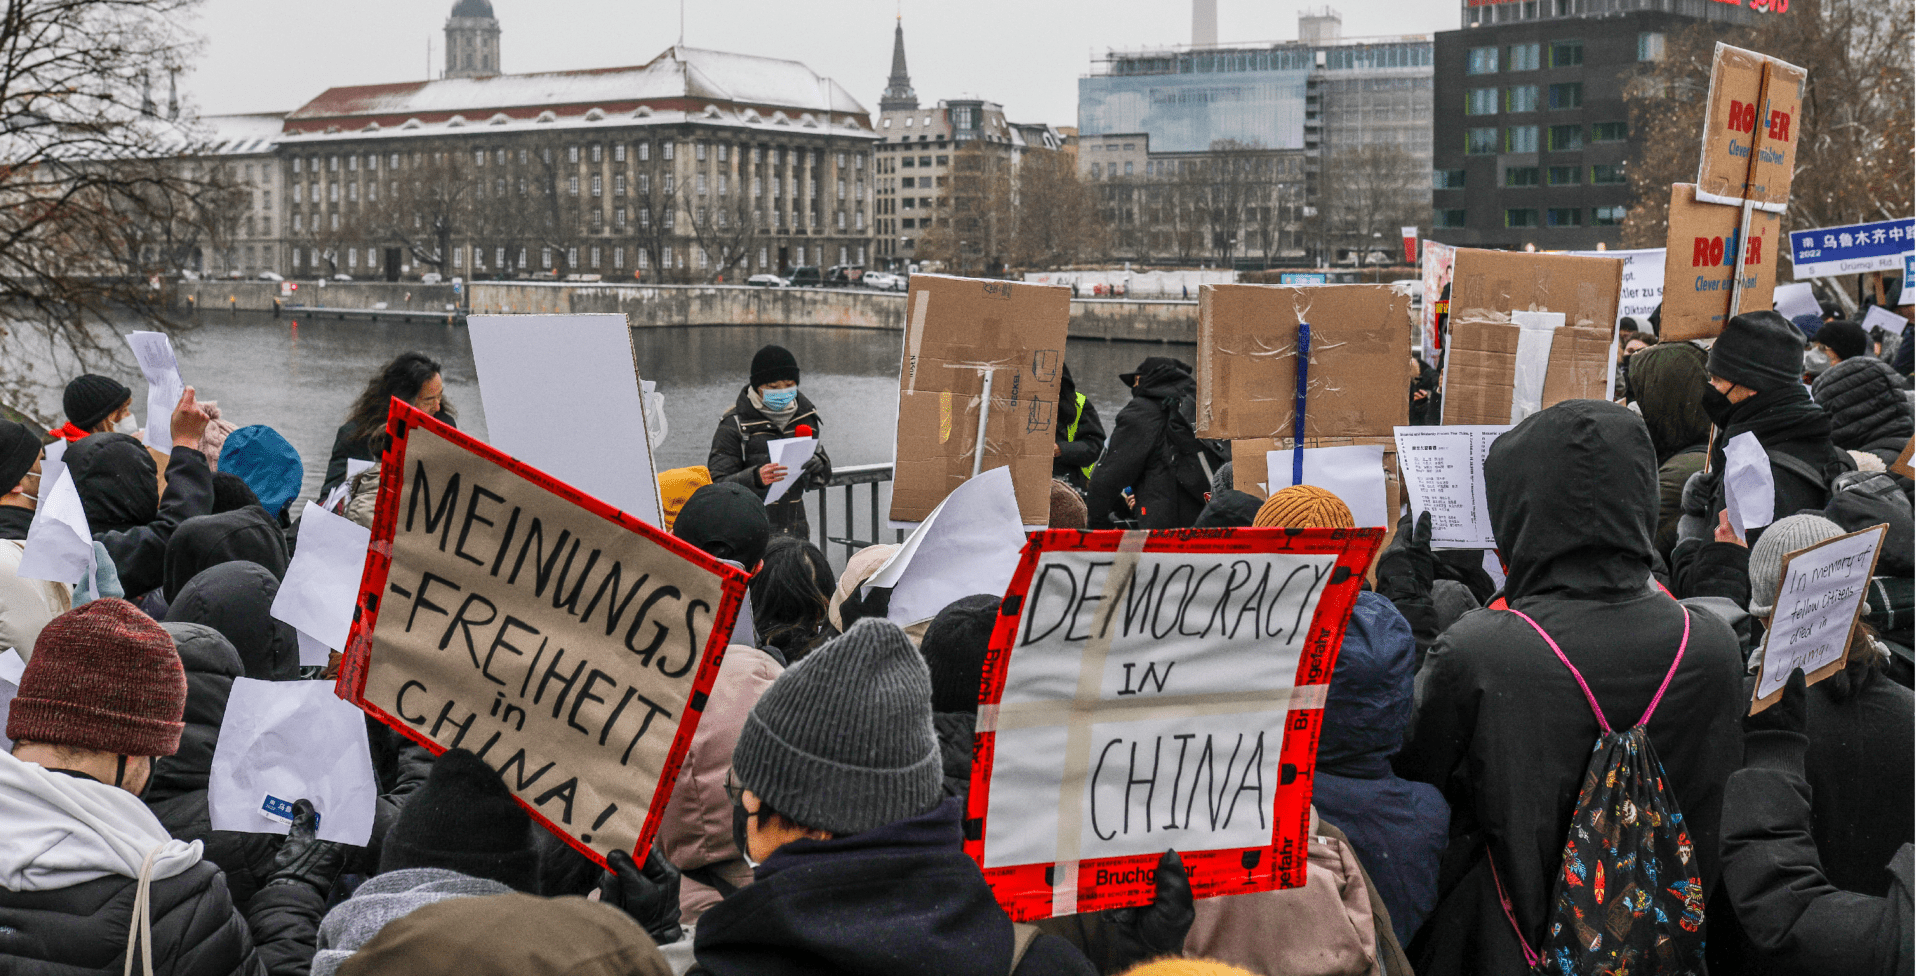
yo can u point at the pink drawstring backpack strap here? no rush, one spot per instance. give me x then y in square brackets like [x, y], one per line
[1686, 631]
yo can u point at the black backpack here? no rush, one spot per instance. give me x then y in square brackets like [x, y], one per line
[1192, 458]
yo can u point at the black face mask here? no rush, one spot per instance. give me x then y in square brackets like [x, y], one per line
[740, 816]
[1719, 409]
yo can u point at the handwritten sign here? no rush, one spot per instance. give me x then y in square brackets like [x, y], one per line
[1822, 591]
[1642, 277]
[1155, 690]
[569, 645]
[1444, 471]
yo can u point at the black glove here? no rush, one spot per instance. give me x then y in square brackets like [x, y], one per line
[1789, 714]
[817, 471]
[1406, 569]
[1158, 929]
[306, 859]
[650, 894]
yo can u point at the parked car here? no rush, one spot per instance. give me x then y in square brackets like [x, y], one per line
[269, 276]
[805, 277]
[343, 277]
[844, 275]
[767, 281]
[884, 281]
[430, 278]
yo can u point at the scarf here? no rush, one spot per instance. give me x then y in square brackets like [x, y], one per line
[68, 432]
[1776, 416]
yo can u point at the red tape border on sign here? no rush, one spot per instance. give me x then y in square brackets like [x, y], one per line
[351, 682]
[1026, 890]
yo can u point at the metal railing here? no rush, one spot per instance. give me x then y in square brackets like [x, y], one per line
[847, 480]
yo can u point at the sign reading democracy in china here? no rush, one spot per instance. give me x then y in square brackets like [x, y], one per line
[567, 644]
[1880, 246]
[1154, 690]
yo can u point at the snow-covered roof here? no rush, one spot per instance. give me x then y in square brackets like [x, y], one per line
[687, 80]
[242, 135]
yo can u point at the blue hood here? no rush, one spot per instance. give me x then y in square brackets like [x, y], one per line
[1371, 698]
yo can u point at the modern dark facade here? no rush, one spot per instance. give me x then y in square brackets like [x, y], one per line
[1530, 131]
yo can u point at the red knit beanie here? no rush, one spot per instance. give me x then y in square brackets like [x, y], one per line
[104, 677]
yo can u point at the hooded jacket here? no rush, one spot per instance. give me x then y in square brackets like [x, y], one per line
[1139, 457]
[1502, 727]
[384, 898]
[177, 794]
[1076, 413]
[739, 450]
[69, 875]
[696, 834]
[116, 478]
[1668, 381]
[236, 599]
[1867, 403]
[247, 533]
[1397, 828]
[900, 899]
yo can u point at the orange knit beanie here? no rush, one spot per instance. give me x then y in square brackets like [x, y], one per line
[1304, 507]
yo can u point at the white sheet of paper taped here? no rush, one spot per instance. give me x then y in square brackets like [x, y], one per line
[59, 544]
[323, 580]
[1794, 299]
[1748, 484]
[1530, 359]
[154, 351]
[294, 740]
[791, 452]
[1444, 469]
[1353, 473]
[970, 544]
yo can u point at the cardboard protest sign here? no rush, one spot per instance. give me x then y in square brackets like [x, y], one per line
[1155, 690]
[960, 332]
[569, 645]
[1248, 374]
[1445, 472]
[1489, 351]
[586, 362]
[1885, 245]
[1702, 245]
[1903, 465]
[1642, 277]
[1752, 127]
[1823, 588]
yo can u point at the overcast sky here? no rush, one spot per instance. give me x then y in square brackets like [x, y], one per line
[274, 55]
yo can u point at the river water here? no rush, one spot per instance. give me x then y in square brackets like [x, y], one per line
[300, 377]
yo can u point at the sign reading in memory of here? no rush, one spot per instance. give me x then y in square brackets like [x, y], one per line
[1155, 690]
[1822, 591]
[1885, 245]
[569, 645]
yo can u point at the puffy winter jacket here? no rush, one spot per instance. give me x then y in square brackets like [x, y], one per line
[115, 476]
[236, 599]
[739, 450]
[1868, 403]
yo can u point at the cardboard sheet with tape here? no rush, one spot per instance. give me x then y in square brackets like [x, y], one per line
[1502, 346]
[1249, 378]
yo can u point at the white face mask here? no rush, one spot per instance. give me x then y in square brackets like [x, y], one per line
[128, 425]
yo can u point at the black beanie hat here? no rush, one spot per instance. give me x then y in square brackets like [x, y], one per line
[956, 650]
[771, 365]
[727, 521]
[1843, 337]
[1759, 350]
[90, 398]
[19, 448]
[463, 819]
[1229, 509]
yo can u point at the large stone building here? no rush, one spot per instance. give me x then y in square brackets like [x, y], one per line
[695, 166]
[1530, 120]
[920, 150]
[245, 238]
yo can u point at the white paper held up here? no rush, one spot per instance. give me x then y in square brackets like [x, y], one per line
[59, 543]
[1822, 588]
[792, 452]
[1444, 469]
[1882, 320]
[1748, 483]
[323, 580]
[1795, 298]
[1353, 473]
[282, 741]
[970, 544]
[154, 351]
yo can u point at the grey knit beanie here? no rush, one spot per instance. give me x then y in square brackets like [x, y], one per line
[843, 740]
[1790, 534]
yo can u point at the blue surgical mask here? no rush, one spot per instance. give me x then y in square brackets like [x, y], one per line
[780, 400]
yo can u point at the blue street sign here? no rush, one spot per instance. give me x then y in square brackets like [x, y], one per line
[1883, 246]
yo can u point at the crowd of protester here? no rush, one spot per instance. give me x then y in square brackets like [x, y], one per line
[815, 826]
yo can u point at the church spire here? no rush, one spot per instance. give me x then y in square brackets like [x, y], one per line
[899, 95]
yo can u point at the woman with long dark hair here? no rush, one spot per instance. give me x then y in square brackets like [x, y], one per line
[411, 377]
[790, 594]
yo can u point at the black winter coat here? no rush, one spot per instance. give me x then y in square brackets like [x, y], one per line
[177, 793]
[246, 533]
[739, 450]
[82, 929]
[1868, 404]
[118, 484]
[236, 599]
[1787, 421]
[1501, 726]
[345, 446]
[1079, 451]
[900, 899]
[1139, 457]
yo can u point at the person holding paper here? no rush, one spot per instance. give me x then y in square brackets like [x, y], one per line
[1868, 404]
[1153, 451]
[95, 404]
[411, 377]
[770, 408]
[102, 697]
[25, 604]
[115, 476]
[1502, 727]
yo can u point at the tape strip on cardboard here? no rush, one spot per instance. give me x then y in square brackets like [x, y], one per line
[916, 327]
[1530, 356]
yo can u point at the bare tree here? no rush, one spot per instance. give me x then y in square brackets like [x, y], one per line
[1367, 194]
[1059, 216]
[725, 225]
[974, 232]
[423, 208]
